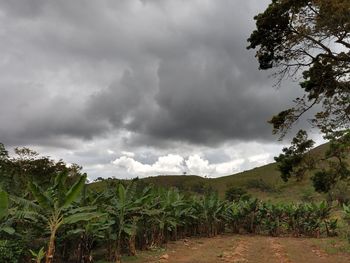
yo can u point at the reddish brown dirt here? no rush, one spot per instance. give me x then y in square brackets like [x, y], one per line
[245, 249]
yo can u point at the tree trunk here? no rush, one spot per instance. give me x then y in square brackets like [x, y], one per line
[132, 248]
[51, 249]
[118, 256]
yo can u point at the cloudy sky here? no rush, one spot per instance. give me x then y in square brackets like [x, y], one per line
[137, 87]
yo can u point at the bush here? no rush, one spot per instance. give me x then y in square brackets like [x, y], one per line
[10, 251]
[346, 209]
[236, 194]
[340, 193]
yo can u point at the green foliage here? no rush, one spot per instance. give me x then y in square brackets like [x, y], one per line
[10, 251]
[74, 192]
[27, 165]
[4, 203]
[294, 161]
[37, 257]
[337, 166]
[75, 221]
[346, 209]
[5, 224]
[307, 219]
[55, 207]
[236, 193]
[311, 38]
[306, 36]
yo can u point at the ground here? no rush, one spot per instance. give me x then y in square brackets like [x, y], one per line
[248, 249]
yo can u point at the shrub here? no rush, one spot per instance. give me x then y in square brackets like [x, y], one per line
[340, 193]
[236, 193]
[10, 251]
[346, 209]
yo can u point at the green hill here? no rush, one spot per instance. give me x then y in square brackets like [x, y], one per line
[263, 182]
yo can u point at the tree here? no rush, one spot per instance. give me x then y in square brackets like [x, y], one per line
[6, 180]
[295, 160]
[5, 227]
[337, 164]
[3, 152]
[309, 40]
[312, 38]
[27, 165]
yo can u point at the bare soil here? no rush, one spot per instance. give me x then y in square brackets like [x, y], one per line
[245, 249]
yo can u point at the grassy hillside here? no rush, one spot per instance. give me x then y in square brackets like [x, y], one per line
[263, 182]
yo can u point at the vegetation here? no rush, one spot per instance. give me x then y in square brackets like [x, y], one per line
[46, 206]
[310, 40]
[236, 193]
[347, 218]
[171, 215]
[67, 220]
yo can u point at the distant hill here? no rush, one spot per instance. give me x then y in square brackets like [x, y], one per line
[263, 182]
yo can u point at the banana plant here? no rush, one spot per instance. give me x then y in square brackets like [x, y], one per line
[211, 213]
[37, 257]
[124, 210]
[233, 216]
[55, 207]
[346, 210]
[4, 213]
[169, 203]
[87, 233]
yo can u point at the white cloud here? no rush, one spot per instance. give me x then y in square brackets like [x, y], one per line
[176, 164]
[199, 166]
[229, 167]
[196, 165]
[260, 158]
[169, 164]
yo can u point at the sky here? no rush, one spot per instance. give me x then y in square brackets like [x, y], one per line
[138, 87]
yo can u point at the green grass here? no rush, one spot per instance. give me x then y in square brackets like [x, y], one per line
[333, 246]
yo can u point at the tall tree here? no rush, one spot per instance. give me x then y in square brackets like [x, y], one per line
[310, 40]
[5, 176]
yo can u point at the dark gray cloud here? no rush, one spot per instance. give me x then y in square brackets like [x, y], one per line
[144, 72]
[137, 87]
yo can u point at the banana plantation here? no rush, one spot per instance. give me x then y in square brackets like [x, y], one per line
[70, 222]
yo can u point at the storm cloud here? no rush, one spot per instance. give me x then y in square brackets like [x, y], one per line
[130, 75]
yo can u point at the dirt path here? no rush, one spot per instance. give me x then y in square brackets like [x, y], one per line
[246, 249]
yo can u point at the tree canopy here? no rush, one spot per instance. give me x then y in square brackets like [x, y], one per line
[310, 40]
